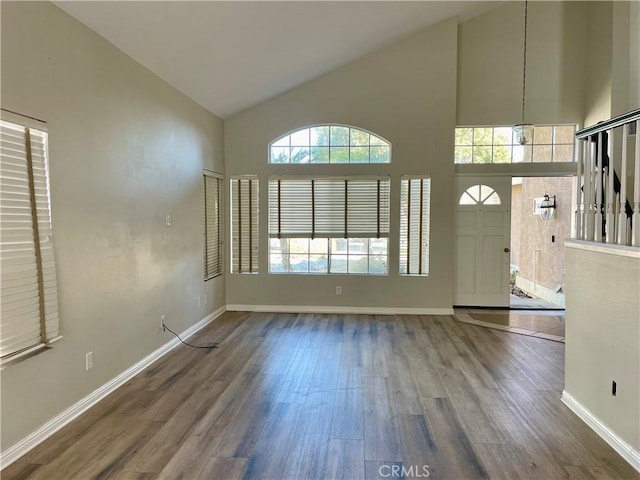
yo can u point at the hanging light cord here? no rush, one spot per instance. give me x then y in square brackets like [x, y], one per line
[524, 56]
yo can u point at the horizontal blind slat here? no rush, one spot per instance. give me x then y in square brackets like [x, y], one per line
[292, 215]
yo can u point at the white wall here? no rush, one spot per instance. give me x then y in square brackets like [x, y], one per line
[634, 55]
[490, 61]
[597, 99]
[603, 336]
[391, 85]
[405, 93]
[613, 62]
[125, 148]
[625, 58]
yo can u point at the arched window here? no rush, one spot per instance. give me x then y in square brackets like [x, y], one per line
[329, 144]
[479, 195]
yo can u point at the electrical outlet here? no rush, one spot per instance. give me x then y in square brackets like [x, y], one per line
[162, 323]
[89, 361]
[167, 220]
[338, 290]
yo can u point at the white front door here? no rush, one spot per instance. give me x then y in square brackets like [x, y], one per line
[483, 228]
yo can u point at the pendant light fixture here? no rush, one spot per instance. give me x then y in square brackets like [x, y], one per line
[524, 131]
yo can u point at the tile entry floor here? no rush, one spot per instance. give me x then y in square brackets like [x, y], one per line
[536, 323]
[531, 303]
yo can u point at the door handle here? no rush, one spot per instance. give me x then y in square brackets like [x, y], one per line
[506, 250]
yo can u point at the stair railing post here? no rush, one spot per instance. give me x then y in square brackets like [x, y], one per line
[635, 222]
[579, 190]
[599, 203]
[611, 193]
[622, 214]
[588, 189]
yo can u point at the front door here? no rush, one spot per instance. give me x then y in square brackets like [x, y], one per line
[483, 228]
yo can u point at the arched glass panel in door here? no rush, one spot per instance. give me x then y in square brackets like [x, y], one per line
[479, 195]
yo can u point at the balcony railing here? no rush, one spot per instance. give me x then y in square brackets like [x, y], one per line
[608, 195]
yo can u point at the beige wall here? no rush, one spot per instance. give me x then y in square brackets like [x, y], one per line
[602, 332]
[529, 232]
[634, 55]
[490, 65]
[405, 93]
[597, 99]
[125, 149]
[625, 57]
[613, 62]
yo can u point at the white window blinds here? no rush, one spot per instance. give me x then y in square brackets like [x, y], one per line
[415, 207]
[212, 227]
[333, 207]
[29, 299]
[244, 224]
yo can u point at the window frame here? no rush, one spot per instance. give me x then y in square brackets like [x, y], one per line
[405, 226]
[384, 143]
[44, 279]
[254, 225]
[218, 205]
[328, 272]
[350, 231]
[528, 150]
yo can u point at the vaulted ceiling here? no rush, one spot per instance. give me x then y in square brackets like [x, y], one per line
[229, 56]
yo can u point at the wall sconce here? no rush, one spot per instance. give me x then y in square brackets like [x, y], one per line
[545, 206]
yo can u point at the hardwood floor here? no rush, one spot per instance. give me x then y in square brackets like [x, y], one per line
[336, 396]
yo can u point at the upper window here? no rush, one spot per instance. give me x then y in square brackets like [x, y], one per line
[29, 302]
[550, 143]
[212, 226]
[329, 144]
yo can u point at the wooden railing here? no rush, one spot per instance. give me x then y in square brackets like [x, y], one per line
[606, 212]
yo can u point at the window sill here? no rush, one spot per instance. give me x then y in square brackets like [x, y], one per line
[28, 353]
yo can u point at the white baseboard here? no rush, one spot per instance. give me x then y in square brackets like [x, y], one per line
[13, 453]
[625, 450]
[340, 309]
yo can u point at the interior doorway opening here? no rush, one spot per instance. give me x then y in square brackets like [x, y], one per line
[541, 219]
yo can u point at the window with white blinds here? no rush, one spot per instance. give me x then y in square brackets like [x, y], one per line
[415, 212]
[327, 225]
[29, 298]
[212, 226]
[330, 207]
[244, 224]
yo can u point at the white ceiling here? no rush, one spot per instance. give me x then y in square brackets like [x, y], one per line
[229, 56]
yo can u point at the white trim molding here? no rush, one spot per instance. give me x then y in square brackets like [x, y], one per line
[340, 310]
[611, 249]
[625, 450]
[13, 453]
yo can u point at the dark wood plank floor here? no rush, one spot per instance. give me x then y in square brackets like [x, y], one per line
[336, 396]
